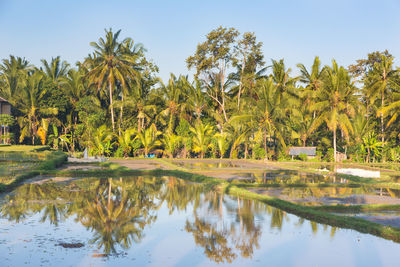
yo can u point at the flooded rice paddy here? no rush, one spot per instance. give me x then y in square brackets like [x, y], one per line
[334, 195]
[148, 221]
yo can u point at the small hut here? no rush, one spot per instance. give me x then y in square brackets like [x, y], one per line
[310, 152]
[5, 109]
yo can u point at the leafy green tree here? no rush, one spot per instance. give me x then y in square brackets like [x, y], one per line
[214, 57]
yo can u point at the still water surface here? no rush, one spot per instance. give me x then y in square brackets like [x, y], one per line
[147, 221]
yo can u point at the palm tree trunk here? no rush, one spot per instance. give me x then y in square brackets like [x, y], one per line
[334, 144]
[240, 84]
[382, 128]
[111, 105]
[120, 115]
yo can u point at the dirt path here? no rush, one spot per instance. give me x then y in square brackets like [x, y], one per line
[140, 164]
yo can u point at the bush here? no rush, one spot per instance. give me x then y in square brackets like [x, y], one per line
[329, 155]
[259, 152]
[303, 157]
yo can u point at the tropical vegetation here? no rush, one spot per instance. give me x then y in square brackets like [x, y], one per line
[237, 105]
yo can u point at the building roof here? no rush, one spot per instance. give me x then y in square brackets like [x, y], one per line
[3, 100]
[309, 151]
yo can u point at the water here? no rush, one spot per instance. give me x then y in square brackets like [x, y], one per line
[282, 177]
[147, 221]
[334, 195]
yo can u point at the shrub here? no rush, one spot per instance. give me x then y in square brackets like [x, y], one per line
[303, 157]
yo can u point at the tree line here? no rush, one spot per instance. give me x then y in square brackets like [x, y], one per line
[236, 106]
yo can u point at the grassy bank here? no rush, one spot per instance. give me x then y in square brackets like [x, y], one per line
[51, 161]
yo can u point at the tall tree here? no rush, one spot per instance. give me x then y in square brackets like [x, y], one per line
[312, 80]
[336, 102]
[111, 65]
[378, 85]
[13, 75]
[29, 103]
[248, 57]
[214, 57]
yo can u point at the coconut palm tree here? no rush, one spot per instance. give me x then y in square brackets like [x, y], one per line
[173, 96]
[313, 81]
[13, 74]
[171, 143]
[29, 103]
[55, 70]
[196, 98]
[74, 88]
[336, 102]
[379, 84]
[111, 65]
[202, 138]
[149, 139]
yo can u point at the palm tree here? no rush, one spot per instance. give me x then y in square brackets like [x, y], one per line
[111, 64]
[196, 98]
[336, 102]
[267, 112]
[56, 70]
[29, 103]
[285, 85]
[149, 139]
[74, 88]
[222, 143]
[378, 84]
[171, 143]
[174, 99]
[313, 81]
[202, 138]
[101, 140]
[13, 74]
[125, 141]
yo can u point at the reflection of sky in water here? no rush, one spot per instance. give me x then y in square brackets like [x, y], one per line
[290, 242]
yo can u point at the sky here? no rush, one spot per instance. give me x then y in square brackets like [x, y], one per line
[297, 31]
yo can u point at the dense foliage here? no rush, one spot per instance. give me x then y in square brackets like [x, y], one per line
[114, 104]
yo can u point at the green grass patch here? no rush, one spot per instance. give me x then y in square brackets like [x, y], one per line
[51, 161]
[22, 148]
[357, 208]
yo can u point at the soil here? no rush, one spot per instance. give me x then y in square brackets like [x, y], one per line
[140, 164]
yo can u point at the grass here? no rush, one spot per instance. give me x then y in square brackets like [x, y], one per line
[22, 148]
[51, 161]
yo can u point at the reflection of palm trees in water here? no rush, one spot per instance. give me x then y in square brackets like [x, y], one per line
[117, 210]
[116, 217]
[223, 240]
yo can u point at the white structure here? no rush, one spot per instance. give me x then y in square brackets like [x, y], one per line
[360, 172]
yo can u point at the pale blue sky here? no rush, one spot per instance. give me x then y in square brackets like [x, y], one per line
[170, 30]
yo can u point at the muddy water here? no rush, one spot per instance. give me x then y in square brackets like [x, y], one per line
[146, 221]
